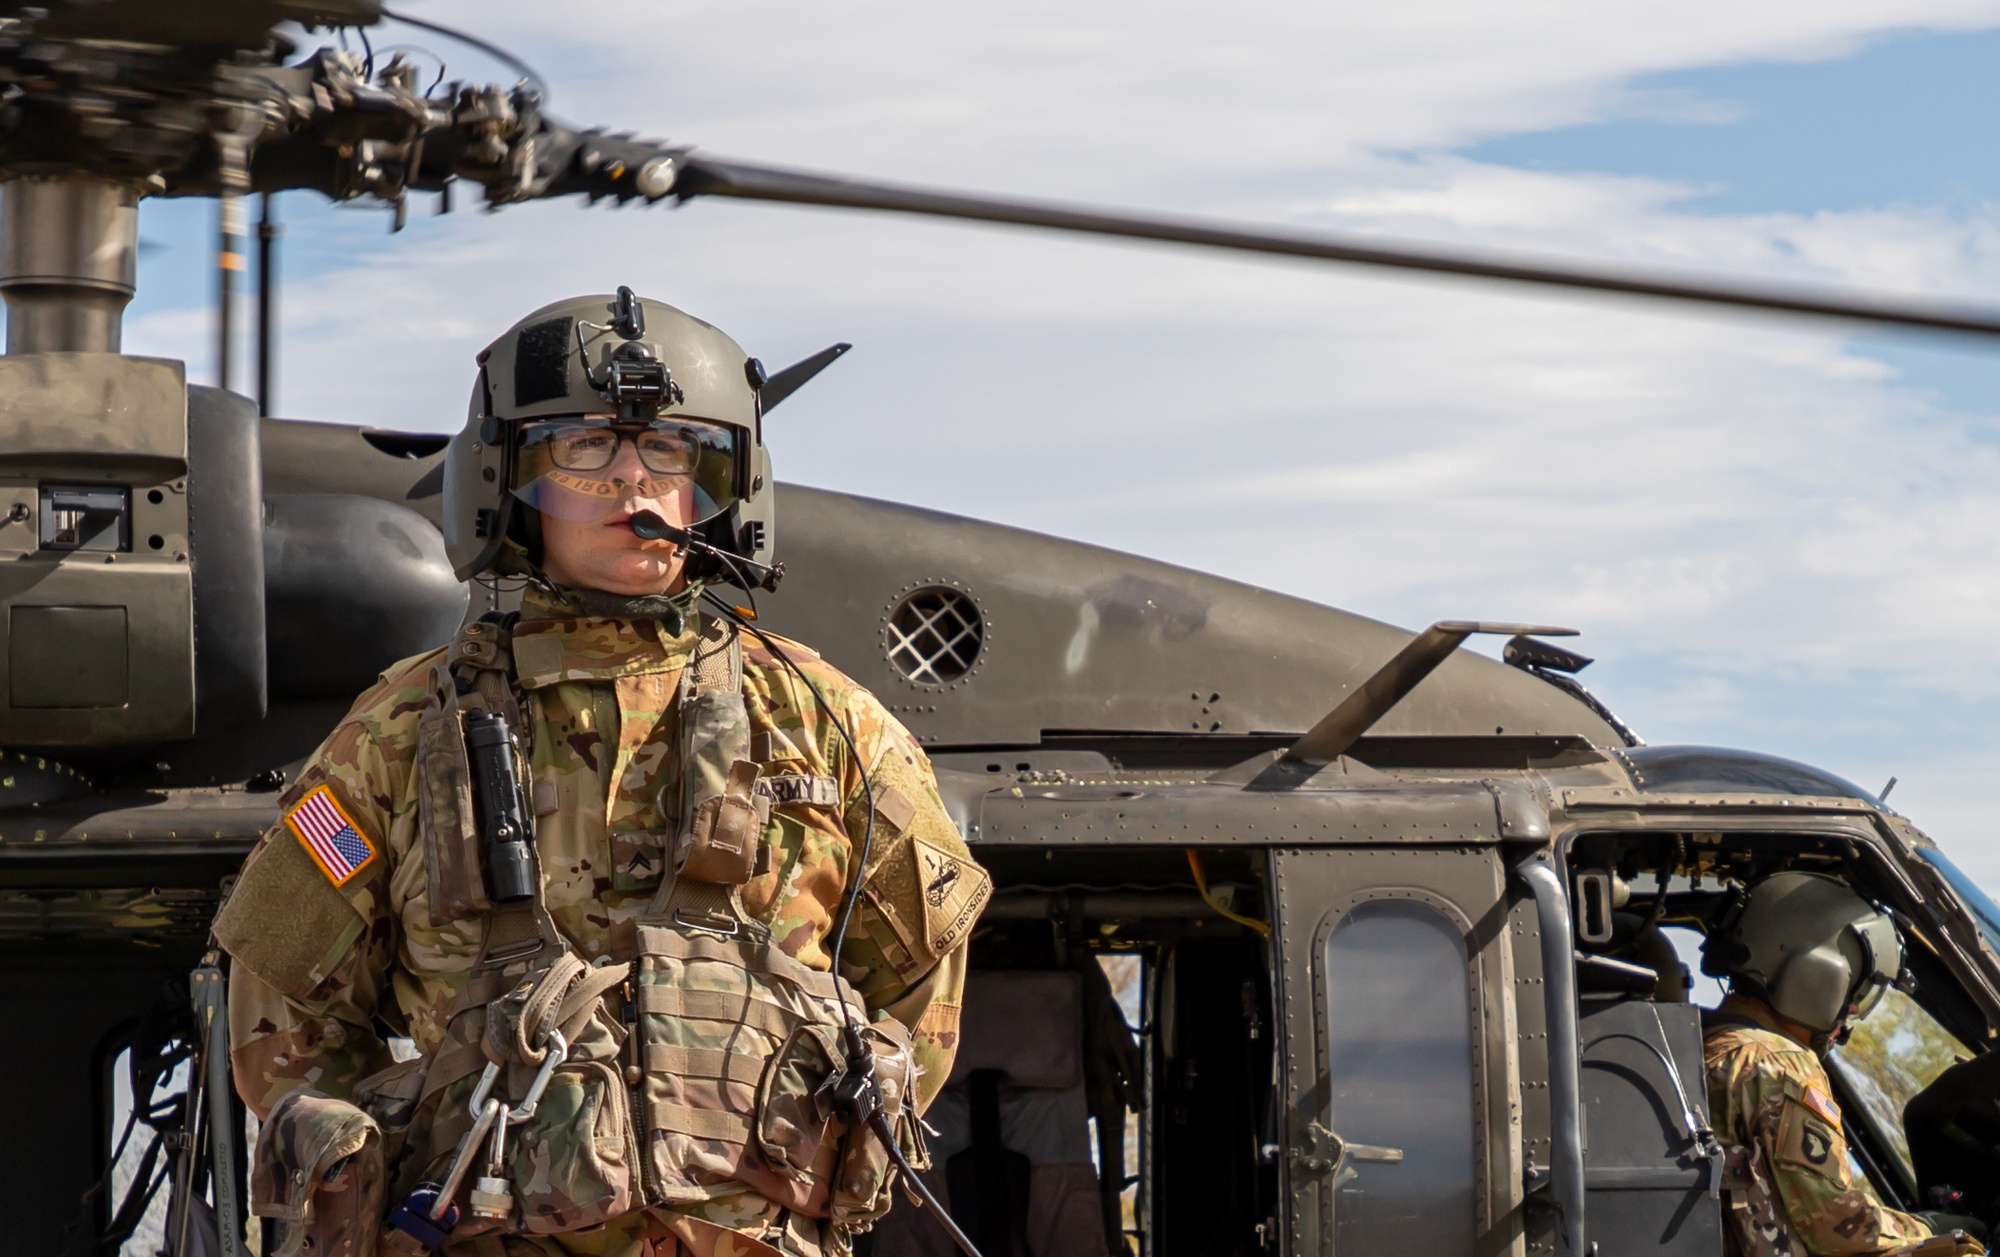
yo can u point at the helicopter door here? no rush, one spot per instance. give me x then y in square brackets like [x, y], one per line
[1401, 1059]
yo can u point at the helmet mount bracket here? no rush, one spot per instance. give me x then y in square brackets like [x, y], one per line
[633, 378]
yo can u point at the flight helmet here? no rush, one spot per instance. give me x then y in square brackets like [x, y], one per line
[558, 397]
[1818, 953]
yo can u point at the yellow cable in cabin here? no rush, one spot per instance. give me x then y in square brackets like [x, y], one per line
[1201, 884]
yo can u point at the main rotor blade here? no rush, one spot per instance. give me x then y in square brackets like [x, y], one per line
[709, 176]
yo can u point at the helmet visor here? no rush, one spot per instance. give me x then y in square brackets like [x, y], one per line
[587, 469]
[1883, 948]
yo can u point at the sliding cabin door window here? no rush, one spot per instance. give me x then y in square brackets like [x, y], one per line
[1402, 1061]
[1400, 1056]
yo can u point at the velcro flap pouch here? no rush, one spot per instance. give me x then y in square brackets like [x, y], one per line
[724, 832]
[866, 1172]
[446, 822]
[391, 1097]
[794, 1131]
[318, 1171]
[573, 1164]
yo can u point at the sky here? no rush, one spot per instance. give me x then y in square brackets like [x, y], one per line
[1773, 533]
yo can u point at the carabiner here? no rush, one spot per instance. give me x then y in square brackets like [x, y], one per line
[461, 1158]
[558, 1049]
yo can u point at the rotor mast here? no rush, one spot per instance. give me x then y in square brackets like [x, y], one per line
[69, 247]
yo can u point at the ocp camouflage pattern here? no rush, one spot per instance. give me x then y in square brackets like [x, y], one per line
[1793, 1192]
[318, 966]
[318, 1171]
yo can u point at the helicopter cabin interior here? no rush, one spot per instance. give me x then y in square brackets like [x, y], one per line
[1264, 1048]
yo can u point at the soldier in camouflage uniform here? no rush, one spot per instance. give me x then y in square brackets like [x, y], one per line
[1805, 956]
[706, 1003]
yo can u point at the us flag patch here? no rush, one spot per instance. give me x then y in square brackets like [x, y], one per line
[1822, 1104]
[330, 836]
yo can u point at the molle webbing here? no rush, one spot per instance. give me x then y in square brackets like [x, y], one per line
[717, 664]
[713, 1013]
[699, 905]
[680, 1119]
[765, 958]
[719, 1006]
[665, 1058]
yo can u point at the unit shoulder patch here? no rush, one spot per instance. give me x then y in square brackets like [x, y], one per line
[1812, 1143]
[330, 836]
[955, 891]
[930, 895]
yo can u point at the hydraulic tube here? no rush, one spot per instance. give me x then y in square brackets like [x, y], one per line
[1565, 1060]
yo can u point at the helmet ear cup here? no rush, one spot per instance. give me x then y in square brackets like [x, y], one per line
[1813, 986]
[1723, 957]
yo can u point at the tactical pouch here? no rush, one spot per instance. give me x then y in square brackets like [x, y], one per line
[735, 1037]
[318, 1170]
[454, 885]
[574, 1162]
[391, 1097]
[726, 830]
[795, 1132]
[798, 1134]
[865, 1174]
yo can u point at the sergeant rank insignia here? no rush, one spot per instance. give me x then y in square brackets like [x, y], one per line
[330, 836]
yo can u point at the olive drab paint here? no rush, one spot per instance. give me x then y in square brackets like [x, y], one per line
[1095, 718]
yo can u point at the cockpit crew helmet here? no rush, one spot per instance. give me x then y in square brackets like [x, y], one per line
[561, 398]
[1820, 954]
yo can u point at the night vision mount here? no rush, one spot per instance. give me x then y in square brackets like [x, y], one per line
[633, 379]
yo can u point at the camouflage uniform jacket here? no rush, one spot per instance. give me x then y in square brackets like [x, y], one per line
[325, 961]
[1790, 1189]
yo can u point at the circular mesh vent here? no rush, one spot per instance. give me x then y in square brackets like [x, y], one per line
[934, 635]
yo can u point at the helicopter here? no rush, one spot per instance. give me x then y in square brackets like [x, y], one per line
[1248, 799]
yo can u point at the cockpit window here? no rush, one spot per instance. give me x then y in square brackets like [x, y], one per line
[1983, 909]
[1896, 1052]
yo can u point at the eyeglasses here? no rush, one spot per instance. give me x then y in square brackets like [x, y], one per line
[667, 447]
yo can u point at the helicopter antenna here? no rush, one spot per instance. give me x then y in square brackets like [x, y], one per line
[498, 53]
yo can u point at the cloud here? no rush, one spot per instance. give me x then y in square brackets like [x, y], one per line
[1771, 536]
